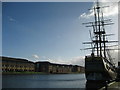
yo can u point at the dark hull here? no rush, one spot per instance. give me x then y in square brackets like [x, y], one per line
[99, 69]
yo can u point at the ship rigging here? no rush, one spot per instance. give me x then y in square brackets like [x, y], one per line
[99, 66]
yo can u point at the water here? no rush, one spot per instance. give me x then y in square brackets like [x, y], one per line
[44, 81]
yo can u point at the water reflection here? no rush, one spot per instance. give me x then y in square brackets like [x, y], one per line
[44, 81]
[77, 81]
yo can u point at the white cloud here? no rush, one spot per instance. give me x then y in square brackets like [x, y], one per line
[86, 15]
[108, 11]
[114, 53]
[11, 19]
[79, 60]
[35, 56]
[59, 61]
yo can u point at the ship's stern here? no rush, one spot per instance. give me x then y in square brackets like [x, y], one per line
[94, 69]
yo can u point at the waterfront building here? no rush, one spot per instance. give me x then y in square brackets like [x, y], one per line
[57, 68]
[42, 67]
[23, 65]
[16, 65]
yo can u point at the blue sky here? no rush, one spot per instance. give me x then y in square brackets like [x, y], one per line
[41, 31]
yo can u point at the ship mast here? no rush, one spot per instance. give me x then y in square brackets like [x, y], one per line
[99, 27]
[96, 29]
[99, 31]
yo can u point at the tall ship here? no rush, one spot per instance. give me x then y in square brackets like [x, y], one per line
[99, 64]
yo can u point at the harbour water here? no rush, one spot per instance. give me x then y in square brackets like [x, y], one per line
[44, 81]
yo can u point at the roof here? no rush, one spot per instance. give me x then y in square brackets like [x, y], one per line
[14, 59]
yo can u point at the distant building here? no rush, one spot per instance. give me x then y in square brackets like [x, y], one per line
[57, 68]
[77, 68]
[16, 65]
[22, 65]
[42, 67]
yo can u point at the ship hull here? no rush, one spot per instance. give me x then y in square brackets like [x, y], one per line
[99, 69]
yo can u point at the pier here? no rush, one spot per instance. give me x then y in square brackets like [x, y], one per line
[113, 85]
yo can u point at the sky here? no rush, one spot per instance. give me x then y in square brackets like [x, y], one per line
[52, 31]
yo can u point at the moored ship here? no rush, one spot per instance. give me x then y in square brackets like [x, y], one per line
[99, 65]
